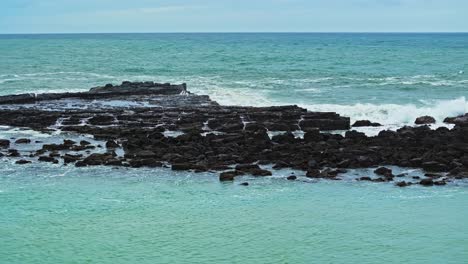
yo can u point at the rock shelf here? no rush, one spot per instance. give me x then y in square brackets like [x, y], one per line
[155, 125]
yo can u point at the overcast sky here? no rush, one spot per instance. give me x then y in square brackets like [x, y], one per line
[72, 16]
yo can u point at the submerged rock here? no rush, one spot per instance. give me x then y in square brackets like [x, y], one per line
[403, 184]
[23, 141]
[23, 162]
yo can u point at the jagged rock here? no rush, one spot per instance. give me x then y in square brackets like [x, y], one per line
[111, 144]
[149, 134]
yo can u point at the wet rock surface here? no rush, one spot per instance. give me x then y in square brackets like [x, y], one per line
[157, 125]
[424, 120]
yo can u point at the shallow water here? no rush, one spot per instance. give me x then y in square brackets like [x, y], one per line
[68, 215]
[55, 214]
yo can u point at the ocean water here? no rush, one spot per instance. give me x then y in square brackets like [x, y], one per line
[389, 78]
[54, 214]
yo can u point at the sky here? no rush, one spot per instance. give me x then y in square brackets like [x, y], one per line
[99, 16]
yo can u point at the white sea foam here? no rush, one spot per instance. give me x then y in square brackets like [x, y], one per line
[393, 116]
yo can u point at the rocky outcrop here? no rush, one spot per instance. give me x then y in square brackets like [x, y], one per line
[459, 120]
[191, 132]
[366, 123]
[425, 120]
[141, 88]
[105, 92]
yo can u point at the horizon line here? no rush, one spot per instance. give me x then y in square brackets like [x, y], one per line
[243, 32]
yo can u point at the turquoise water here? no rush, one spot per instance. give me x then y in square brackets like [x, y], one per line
[62, 215]
[390, 78]
[53, 214]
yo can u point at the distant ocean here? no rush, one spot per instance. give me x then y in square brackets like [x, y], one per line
[389, 78]
[62, 214]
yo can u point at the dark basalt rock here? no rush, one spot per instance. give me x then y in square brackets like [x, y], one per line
[84, 143]
[96, 159]
[23, 141]
[126, 88]
[69, 158]
[13, 153]
[424, 120]
[426, 182]
[313, 135]
[459, 120]
[383, 171]
[403, 184]
[229, 175]
[434, 166]
[355, 135]
[292, 178]
[313, 173]
[23, 162]
[440, 183]
[247, 167]
[48, 159]
[191, 132]
[111, 144]
[4, 143]
[141, 88]
[365, 123]
[260, 173]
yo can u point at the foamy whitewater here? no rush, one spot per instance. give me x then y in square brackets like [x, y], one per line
[62, 214]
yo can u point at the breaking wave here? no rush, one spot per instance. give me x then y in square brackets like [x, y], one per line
[395, 114]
